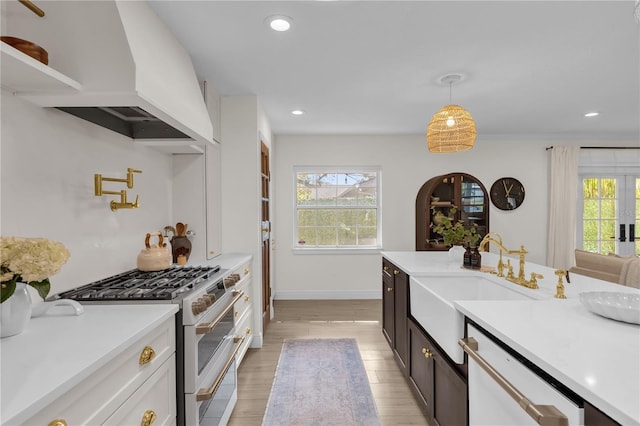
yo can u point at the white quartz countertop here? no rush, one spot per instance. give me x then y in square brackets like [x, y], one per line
[597, 358]
[58, 350]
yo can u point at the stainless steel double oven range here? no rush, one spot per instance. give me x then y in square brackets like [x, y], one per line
[206, 340]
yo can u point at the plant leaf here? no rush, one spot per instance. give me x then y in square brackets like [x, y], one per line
[43, 287]
[8, 287]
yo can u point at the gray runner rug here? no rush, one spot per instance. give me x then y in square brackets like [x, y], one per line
[321, 382]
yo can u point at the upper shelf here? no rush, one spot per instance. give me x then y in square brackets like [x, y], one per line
[23, 74]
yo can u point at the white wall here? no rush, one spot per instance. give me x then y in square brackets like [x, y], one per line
[48, 160]
[406, 165]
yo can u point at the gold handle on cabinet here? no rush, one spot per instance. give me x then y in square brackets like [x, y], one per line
[58, 422]
[396, 272]
[389, 289]
[386, 268]
[427, 353]
[248, 330]
[204, 394]
[246, 298]
[542, 414]
[246, 271]
[148, 418]
[147, 355]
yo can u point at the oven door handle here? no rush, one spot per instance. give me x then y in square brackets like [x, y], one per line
[208, 328]
[205, 394]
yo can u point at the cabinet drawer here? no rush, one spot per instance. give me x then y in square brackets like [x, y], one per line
[155, 399]
[489, 404]
[244, 303]
[244, 327]
[99, 395]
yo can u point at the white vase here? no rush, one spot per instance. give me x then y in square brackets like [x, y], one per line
[456, 254]
[15, 312]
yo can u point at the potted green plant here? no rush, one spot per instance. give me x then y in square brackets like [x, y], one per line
[455, 234]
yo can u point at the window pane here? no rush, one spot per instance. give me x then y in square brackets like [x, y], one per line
[590, 188]
[327, 217]
[347, 236]
[591, 246]
[367, 217]
[367, 235]
[305, 195]
[306, 236]
[608, 229]
[590, 230]
[306, 217]
[346, 217]
[608, 209]
[608, 188]
[347, 195]
[590, 209]
[326, 237]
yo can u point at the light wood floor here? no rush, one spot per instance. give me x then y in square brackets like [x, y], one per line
[360, 319]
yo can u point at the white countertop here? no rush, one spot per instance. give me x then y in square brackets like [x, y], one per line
[58, 350]
[598, 358]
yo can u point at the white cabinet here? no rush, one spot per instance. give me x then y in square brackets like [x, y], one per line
[490, 404]
[137, 383]
[196, 200]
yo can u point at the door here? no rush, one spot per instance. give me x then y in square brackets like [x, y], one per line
[609, 214]
[266, 236]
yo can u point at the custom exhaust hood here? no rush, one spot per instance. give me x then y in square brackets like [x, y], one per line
[136, 78]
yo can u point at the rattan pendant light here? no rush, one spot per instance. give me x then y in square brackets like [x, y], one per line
[452, 128]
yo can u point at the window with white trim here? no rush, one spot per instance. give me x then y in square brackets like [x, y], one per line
[337, 208]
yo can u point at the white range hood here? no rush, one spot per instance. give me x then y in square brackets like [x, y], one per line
[136, 78]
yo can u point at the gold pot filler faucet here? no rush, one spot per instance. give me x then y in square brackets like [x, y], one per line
[123, 204]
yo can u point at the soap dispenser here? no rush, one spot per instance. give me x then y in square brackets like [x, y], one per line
[476, 259]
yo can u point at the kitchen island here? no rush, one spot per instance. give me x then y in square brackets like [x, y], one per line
[592, 356]
[61, 358]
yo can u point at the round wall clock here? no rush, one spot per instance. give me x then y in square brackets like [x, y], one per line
[507, 193]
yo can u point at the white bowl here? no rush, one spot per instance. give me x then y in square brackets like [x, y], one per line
[615, 305]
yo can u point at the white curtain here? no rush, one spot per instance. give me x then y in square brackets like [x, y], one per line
[561, 237]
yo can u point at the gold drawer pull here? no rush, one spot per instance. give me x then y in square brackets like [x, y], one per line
[427, 353]
[235, 313]
[248, 331]
[386, 268]
[57, 422]
[246, 298]
[148, 418]
[396, 272]
[147, 355]
[389, 289]
[246, 271]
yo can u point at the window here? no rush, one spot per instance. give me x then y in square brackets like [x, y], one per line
[337, 208]
[609, 201]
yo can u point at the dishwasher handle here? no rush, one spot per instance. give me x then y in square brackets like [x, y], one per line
[545, 415]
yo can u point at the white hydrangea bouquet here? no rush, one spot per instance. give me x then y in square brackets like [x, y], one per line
[31, 261]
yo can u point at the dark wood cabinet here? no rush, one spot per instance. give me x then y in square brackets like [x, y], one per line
[435, 381]
[395, 301]
[438, 196]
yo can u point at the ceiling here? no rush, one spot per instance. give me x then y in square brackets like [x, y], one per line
[374, 67]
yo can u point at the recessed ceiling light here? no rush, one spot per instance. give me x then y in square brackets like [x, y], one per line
[297, 112]
[591, 114]
[279, 22]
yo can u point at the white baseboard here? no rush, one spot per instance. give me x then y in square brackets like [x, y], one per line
[328, 295]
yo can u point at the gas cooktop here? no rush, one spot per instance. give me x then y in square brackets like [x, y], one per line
[167, 284]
